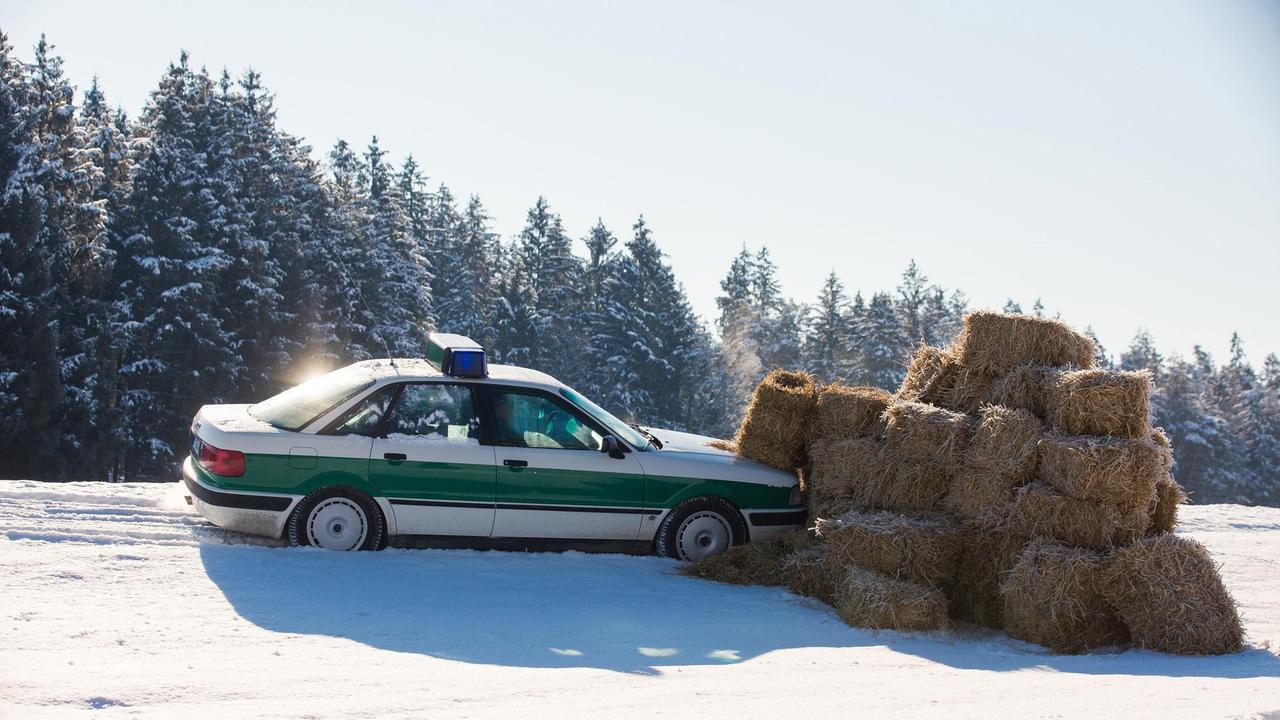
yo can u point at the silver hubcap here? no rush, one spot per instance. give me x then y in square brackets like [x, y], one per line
[337, 524]
[702, 534]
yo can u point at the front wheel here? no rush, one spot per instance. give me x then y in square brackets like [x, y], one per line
[700, 527]
[337, 519]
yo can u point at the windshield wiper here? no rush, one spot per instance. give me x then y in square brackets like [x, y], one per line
[652, 438]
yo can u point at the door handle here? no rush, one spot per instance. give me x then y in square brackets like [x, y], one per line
[395, 457]
[512, 463]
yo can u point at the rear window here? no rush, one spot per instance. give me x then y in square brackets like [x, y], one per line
[296, 407]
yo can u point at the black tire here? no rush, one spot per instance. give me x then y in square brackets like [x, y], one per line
[374, 527]
[668, 543]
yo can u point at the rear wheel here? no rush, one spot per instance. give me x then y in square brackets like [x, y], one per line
[700, 527]
[337, 519]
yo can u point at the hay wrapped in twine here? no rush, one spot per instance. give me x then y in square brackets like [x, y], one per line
[981, 498]
[967, 390]
[866, 598]
[845, 412]
[927, 434]
[995, 343]
[1168, 591]
[845, 474]
[987, 556]
[1164, 514]
[776, 428]
[1024, 388]
[726, 445]
[1053, 596]
[1101, 402]
[909, 485]
[805, 572]
[757, 563]
[1101, 468]
[1041, 511]
[922, 548]
[1169, 494]
[929, 372]
[1005, 441]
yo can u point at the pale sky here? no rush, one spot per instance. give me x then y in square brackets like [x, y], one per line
[1119, 160]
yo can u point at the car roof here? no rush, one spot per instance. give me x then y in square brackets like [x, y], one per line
[419, 369]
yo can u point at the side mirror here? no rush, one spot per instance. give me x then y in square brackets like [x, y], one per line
[611, 445]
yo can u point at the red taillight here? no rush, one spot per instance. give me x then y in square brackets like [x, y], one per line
[227, 463]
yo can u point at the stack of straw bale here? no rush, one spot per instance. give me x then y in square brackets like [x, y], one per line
[1007, 482]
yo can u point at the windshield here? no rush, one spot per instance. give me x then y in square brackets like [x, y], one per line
[621, 430]
[294, 408]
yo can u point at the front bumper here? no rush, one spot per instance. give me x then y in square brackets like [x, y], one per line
[766, 524]
[252, 513]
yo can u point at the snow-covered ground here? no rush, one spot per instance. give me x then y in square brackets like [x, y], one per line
[116, 600]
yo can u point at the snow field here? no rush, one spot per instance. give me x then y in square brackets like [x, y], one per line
[118, 601]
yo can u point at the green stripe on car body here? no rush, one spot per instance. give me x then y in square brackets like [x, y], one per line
[484, 483]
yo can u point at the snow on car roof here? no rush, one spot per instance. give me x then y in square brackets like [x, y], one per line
[417, 368]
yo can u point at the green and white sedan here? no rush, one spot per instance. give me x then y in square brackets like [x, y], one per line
[453, 447]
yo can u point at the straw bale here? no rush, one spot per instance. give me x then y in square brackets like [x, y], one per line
[967, 390]
[844, 412]
[1164, 514]
[719, 444]
[776, 428]
[987, 556]
[929, 372]
[1041, 511]
[980, 497]
[1005, 441]
[844, 473]
[908, 484]
[1101, 468]
[1054, 596]
[806, 572]
[1101, 402]
[923, 548]
[995, 343]
[866, 598]
[1024, 388]
[757, 563]
[1170, 595]
[916, 431]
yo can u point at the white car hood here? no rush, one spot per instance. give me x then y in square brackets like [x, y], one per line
[688, 455]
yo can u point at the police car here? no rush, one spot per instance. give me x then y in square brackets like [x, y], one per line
[452, 446]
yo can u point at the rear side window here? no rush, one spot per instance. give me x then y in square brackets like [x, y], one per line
[363, 417]
[435, 412]
[296, 407]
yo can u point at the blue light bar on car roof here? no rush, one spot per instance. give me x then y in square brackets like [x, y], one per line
[457, 355]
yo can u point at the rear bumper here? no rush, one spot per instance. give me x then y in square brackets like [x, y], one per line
[252, 513]
[766, 524]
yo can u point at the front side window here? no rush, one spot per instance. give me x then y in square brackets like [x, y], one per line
[535, 421]
[435, 413]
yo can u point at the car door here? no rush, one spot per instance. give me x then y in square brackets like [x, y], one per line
[553, 479]
[428, 461]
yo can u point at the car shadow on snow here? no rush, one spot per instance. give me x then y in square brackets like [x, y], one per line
[615, 612]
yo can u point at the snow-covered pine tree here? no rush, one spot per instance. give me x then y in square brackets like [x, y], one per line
[64, 261]
[468, 294]
[178, 353]
[913, 293]
[395, 271]
[550, 273]
[829, 335]
[884, 344]
[106, 137]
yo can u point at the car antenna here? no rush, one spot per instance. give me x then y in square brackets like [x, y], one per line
[347, 276]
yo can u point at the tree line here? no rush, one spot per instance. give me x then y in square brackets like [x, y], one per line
[198, 253]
